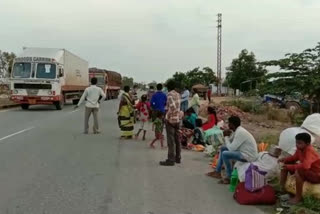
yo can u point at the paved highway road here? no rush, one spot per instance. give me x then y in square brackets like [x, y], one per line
[47, 166]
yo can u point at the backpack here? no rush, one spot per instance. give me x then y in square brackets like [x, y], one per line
[265, 196]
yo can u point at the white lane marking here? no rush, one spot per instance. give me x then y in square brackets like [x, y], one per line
[19, 132]
[74, 111]
[6, 110]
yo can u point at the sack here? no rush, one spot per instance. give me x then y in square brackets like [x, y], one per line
[308, 188]
[265, 196]
[255, 178]
[198, 148]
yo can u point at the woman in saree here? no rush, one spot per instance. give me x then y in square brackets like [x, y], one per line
[126, 118]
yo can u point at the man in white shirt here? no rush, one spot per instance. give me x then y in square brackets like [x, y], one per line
[92, 95]
[240, 146]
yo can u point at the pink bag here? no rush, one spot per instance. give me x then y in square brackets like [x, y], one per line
[255, 178]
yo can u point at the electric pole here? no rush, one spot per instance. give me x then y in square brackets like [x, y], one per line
[219, 44]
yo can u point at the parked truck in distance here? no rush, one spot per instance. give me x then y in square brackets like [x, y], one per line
[109, 81]
[48, 76]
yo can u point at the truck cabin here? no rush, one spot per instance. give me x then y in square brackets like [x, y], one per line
[101, 77]
[36, 68]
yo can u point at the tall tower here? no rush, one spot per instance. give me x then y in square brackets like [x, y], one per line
[219, 44]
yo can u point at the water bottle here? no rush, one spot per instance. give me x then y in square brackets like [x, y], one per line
[234, 180]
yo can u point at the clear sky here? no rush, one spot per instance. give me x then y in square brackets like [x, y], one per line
[152, 39]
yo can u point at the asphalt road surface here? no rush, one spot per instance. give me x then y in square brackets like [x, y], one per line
[47, 166]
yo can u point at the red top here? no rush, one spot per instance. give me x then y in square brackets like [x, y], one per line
[144, 109]
[309, 159]
[211, 122]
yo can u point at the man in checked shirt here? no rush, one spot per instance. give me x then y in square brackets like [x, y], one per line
[172, 125]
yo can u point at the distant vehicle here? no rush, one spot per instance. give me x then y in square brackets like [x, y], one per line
[109, 81]
[294, 101]
[48, 76]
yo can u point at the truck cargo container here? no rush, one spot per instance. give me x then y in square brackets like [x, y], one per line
[48, 76]
[109, 81]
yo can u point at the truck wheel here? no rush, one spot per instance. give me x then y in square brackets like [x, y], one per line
[293, 106]
[59, 104]
[25, 106]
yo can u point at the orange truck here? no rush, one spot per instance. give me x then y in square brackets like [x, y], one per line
[109, 81]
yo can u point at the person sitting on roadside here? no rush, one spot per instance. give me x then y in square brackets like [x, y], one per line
[308, 168]
[212, 119]
[240, 146]
[198, 134]
[189, 120]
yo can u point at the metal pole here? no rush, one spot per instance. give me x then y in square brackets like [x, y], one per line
[219, 45]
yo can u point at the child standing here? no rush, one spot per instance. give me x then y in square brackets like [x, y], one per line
[143, 108]
[158, 129]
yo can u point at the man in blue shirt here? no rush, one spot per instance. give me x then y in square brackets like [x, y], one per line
[158, 101]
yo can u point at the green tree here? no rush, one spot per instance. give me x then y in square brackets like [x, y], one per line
[195, 76]
[153, 83]
[244, 69]
[127, 81]
[6, 61]
[300, 72]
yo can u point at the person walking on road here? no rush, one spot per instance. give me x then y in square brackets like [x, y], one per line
[172, 126]
[158, 102]
[92, 95]
[185, 100]
[126, 112]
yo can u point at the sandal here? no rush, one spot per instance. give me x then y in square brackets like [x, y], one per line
[224, 181]
[214, 175]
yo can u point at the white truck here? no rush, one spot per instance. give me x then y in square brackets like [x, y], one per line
[48, 76]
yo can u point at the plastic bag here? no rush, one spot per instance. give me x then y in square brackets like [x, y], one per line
[255, 178]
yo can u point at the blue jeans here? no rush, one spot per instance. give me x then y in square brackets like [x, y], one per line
[225, 157]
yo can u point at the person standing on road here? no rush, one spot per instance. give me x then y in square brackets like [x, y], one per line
[150, 92]
[185, 100]
[158, 102]
[172, 126]
[209, 94]
[126, 114]
[195, 102]
[92, 95]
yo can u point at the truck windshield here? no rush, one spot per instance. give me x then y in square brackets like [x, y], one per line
[46, 71]
[100, 80]
[21, 70]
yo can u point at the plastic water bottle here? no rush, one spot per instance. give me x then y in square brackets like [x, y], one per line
[234, 180]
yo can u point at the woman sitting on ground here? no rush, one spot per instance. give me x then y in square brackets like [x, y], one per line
[190, 118]
[212, 119]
